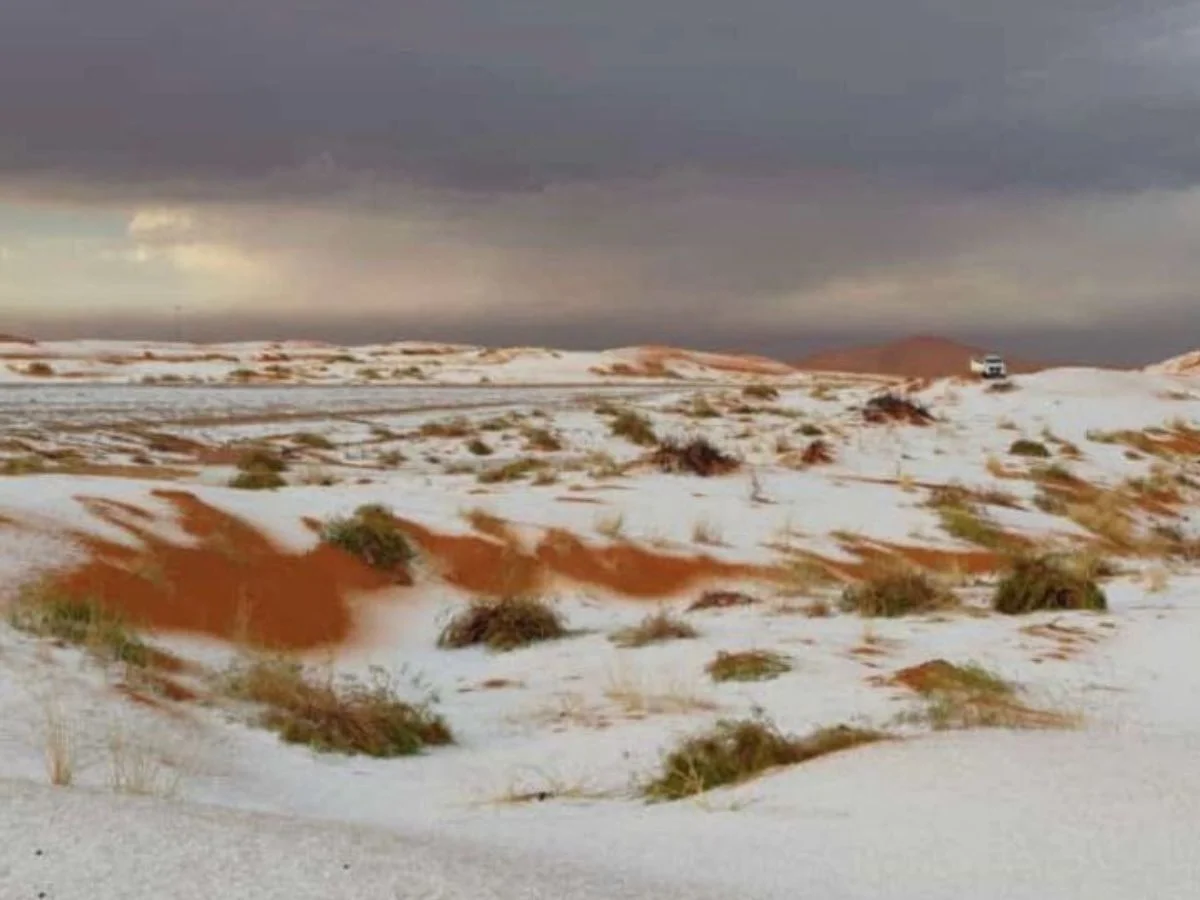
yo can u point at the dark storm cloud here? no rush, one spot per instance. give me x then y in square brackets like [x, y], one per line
[489, 94]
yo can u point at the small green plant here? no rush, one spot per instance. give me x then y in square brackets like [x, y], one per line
[654, 629]
[503, 623]
[350, 716]
[634, 427]
[1035, 583]
[372, 535]
[1025, 447]
[748, 665]
[47, 612]
[734, 751]
[898, 592]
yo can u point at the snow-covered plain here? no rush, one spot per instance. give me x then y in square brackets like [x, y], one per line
[1104, 811]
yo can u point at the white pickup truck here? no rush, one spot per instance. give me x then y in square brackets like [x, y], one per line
[991, 366]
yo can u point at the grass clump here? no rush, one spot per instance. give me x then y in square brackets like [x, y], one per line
[634, 427]
[313, 440]
[969, 524]
[503, 623]
[351, 716]
[511, 471]
[967, 696]
[1025, 447]
[542, 440]
[734, 751]
[748, 665]
[655, 629]
[698, 457]
[898, 592]
[372, 535]
[257, 481]
[47, 612]
[479, 447]
[1036, 583]
[760, 392]
[259, 468]
[451, 428]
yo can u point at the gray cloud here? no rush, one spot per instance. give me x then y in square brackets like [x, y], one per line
[528, 92]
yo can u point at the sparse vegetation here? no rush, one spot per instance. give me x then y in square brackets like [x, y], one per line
[657, 628]
[1036, 583]
[479, 447]
[260, 468]
[895, 408]
[542, 440]
[748, 665]
[503, 623]
[897, 592]
[761, 392]
[350, 716]
[39, 369]
[372, 535]
[46, 611]
[969, 696]
[722, 600]
[1026, 447]
[257, 481]
[707, 532]
[735, 751]
[635, 427]
[970, 524]
[511, 471]
[313, 440]
[698, 457]
[451, 428]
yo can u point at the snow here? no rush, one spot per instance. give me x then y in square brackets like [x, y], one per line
[1104, 812]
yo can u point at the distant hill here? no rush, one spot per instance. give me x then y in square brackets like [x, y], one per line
[915, 357]
[13, 339]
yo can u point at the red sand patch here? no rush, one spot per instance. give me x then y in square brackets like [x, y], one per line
[234, 584]
[486, 565]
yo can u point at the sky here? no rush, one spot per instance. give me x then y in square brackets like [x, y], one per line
[765, 175]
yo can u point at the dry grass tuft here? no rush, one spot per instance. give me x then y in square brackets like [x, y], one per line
[503, 623]
[733, 752]
[657, 628]
[707, 532]
[1036, 583]
[969, 696]
[698, 457]
[748, 665]
[897, 592]
[44, 611]
[633, 427]
[260, 468]
[477, 446]
[722, 600]
[351, 716]
[516, 470]
[458, 427]
[760, 392]
[887, 408]
[313, 441]
[1025, 447]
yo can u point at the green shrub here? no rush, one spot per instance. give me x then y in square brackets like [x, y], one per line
[372, 535]
[502, 623]
[735, 751]
[1044, 583]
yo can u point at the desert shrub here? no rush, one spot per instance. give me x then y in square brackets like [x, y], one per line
[698, 457]
[372, 535]
[969, 524]
[819, 452]
[735, 751]
[1055, 472]
[47, 612]
[503, 623]
[634, 427]
[261, 459]
[451, 428]
[1026, 447]
[1044, 583]
[702, 408]
[748, 665]
[810, 430]
[23, 465]
[895, 408]
[654, 629]
[760, 392]
[479, 447]
[257, 481]
[39, 369]
[353, 716]
[543, 440]
[511, 471]
[722, 600]
[898, 592]
[969, 696]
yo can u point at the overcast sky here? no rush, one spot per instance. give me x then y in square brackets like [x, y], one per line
[766, 175]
